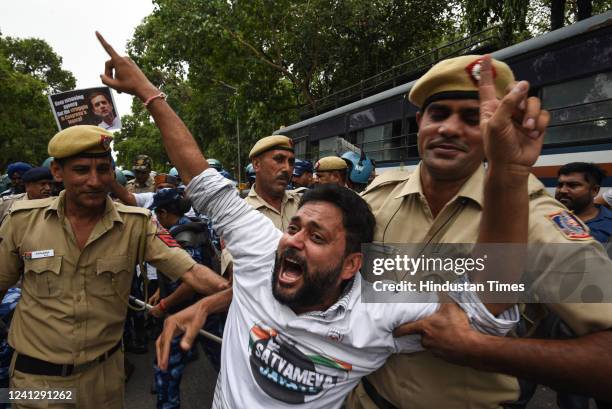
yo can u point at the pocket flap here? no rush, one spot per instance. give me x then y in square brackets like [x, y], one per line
[114, 264]
[41, 265]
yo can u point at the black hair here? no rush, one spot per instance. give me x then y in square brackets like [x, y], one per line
[357, 217]
[97, 94]
[592, 173]
[176, 207]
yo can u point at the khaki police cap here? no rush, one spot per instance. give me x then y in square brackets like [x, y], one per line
[457, 78]
[80, 140]
[330, 163]
[271, 142]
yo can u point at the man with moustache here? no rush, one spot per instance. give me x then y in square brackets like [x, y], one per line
[441, 201]
[577, 186]
[309, 343]
[75, 255]
[273, 159]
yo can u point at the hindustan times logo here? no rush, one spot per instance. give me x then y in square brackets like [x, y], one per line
[412, 265]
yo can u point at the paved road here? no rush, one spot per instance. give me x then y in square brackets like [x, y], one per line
[199, 380]
[197, 386]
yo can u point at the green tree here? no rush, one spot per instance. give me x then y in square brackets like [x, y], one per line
[33, 56]
[276, 56]
[29, 70]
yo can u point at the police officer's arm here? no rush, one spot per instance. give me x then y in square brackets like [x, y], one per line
[204, 280]
[12, 263]
[123, 75]
[581, 364]
[512, 132]
[189, 321]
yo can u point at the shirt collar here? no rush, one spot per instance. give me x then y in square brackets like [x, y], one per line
[345, 303]
[471, 189]
[604, 213]
[110, 211]
[262, 203]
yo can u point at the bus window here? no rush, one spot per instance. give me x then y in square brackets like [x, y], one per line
[378, 142]
[581, 109]
[327, 147]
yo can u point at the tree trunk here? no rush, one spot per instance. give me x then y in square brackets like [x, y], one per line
[557, 14]
[585, 9]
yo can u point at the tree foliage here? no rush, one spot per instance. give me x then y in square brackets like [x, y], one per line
[28, 70]
[259, 61]
[521, 19]
[34, 57]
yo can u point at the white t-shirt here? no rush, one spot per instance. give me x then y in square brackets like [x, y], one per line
[272, 357]
[111, 127]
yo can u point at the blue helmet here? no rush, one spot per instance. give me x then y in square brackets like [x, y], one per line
[129, 175]
[361, 167]
[301, 166]
[120, 177]
[47, 162]
[173, 172]
[250, 172]
[214, 163]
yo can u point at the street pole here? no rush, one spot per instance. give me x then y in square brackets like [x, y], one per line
[238, 137]
[237, 124]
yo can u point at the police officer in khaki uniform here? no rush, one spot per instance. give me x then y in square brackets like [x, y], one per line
[441, 202]
[273, 159]
[38, 185]
[143, 180]
[76, 254]
[331, 169]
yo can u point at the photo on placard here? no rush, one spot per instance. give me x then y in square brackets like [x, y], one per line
[89, 106]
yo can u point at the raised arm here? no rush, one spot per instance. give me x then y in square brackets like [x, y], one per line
[122, 74]
[512, 132]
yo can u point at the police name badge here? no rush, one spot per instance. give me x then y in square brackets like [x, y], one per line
[33, 255]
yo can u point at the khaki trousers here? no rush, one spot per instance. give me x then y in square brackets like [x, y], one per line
[101, 386]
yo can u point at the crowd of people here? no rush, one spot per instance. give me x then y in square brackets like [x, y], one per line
[275, 269]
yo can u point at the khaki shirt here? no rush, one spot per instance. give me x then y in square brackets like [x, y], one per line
[403, 216]
[73, 301]
[289, 207]
[7, 201]
[134, 187]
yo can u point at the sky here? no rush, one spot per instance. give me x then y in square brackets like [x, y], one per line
[68, 26]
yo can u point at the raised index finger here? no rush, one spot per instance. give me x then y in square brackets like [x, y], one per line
[486, 87]
[109, 49]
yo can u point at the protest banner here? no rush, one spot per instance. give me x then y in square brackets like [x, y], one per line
[90, 106]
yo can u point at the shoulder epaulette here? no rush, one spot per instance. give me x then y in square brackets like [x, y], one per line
[31, 204]
[299, 190]
[132, 209]
[535, 187]
[387, 178]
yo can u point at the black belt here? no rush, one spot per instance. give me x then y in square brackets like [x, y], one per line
[34, 366]
[373, 394]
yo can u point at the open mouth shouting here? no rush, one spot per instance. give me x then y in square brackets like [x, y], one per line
[292, 269]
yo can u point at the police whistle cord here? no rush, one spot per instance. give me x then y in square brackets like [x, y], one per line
[148, 307]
